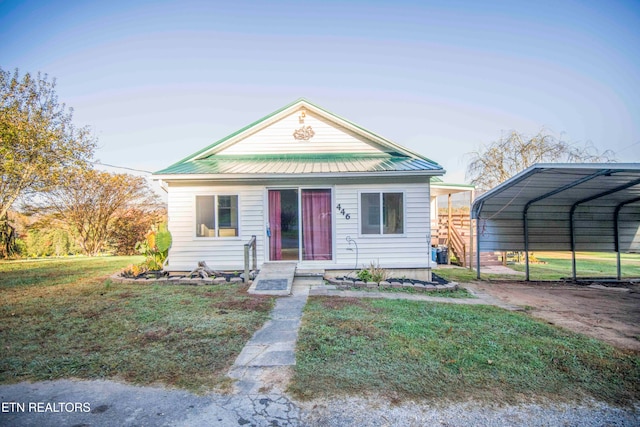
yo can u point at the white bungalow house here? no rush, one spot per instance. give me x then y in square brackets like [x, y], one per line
[313, 188]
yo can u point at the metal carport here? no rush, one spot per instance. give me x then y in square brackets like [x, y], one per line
[591, 207]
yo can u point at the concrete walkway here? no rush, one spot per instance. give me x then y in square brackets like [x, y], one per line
[263, 368]
[273, 346]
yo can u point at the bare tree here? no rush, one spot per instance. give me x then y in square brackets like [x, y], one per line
[515, 152]
[89, 203]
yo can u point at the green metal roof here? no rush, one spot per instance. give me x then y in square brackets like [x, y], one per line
[400, 159]
[302, 164]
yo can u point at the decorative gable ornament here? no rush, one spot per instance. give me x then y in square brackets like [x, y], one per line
[304, 133]
[262, 144]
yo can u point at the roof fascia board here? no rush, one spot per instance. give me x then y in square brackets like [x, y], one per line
[186, 177]
[452, 186]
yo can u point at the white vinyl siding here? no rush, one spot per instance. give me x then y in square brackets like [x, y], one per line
[224, 253]
[278, 139]
[409, 250]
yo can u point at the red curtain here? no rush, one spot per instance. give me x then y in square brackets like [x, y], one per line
[316, 224]
[275, 225]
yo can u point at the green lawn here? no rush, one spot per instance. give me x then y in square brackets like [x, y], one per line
[406, 350]
[555, 266]
[64, 318]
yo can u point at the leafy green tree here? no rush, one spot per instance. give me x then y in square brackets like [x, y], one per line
[515, 152]
[38, 141]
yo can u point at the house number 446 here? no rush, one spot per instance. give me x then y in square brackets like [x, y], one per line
[341, 210]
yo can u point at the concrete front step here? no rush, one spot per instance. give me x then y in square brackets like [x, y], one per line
[271, 275]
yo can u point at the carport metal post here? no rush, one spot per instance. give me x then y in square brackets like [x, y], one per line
[544, 196]
[478, 238]
[477, 214]
[617, 229]
[471, 194]
[588, 199]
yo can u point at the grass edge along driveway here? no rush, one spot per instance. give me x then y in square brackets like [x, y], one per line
[446, 352]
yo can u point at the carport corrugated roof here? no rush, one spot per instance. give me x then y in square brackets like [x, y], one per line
[562, 207]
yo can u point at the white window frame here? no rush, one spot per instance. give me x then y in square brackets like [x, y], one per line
[362, 216]
[216, 208]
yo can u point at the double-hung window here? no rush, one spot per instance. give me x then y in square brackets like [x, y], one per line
[217, 216]
[382, 213]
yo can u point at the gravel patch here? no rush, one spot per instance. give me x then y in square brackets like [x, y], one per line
[376, 412]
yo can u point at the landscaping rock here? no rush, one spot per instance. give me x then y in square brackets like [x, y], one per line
[372, 285]
[219, 280]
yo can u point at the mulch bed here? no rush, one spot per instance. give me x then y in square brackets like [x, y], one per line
[437, 284]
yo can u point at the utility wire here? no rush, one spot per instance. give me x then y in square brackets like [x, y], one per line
[120, 167]
[627, 147]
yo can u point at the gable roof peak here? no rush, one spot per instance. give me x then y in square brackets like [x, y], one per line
[290, 108]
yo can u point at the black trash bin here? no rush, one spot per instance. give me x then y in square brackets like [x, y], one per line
[442, 255]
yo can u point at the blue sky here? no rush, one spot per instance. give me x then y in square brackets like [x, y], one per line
[158, 80]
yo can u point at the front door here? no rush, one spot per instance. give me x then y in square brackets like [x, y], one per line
[300, 225]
